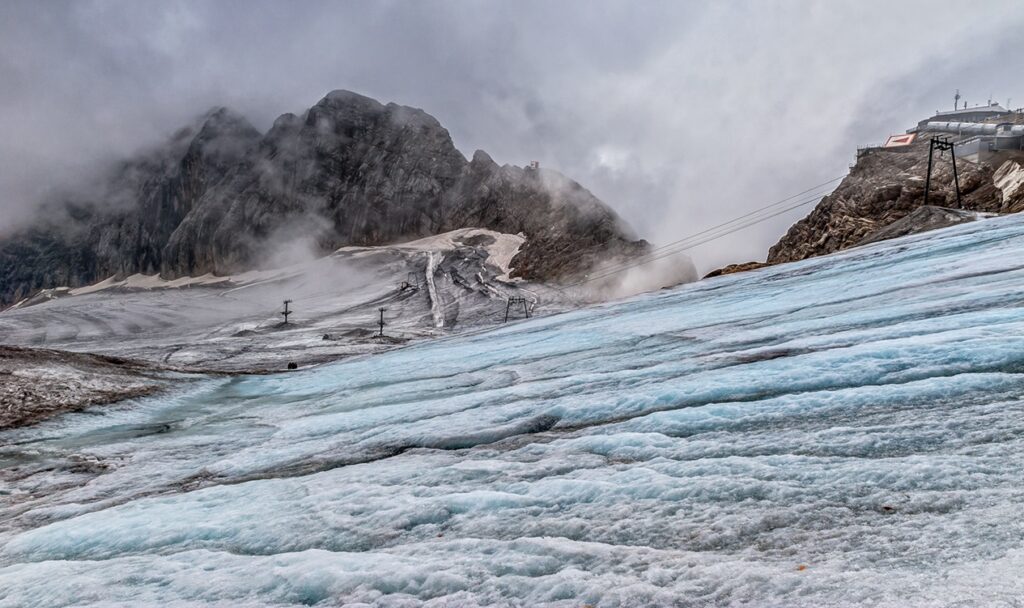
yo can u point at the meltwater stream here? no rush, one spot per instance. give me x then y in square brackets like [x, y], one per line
[842, 431]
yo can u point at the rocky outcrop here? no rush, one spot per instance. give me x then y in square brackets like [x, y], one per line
[923, 219]
[221, 197]
[1009, 179]
[36, 384]
[568, 229]
[886, 186]
[734, 268]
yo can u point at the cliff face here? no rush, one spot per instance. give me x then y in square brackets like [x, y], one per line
[121, 221]
[886, 186]
[221, 197]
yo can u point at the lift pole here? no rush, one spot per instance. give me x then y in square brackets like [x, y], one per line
[941, 144]
[928, 176]
[512, 302]
[286, 312]
[381, 322]
[956, 177]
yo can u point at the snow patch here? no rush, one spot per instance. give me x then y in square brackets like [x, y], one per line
[433, 259]
[500, 252]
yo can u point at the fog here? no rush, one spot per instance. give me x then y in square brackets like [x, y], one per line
[679, 115]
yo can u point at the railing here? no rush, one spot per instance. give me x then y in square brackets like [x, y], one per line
[862, 150]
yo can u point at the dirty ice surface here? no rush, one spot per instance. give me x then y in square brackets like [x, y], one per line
[842, 431]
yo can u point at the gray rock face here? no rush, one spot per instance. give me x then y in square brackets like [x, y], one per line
[121, 223]
[221, 197]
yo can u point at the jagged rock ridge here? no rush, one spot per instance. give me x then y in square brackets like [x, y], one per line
[221, 197]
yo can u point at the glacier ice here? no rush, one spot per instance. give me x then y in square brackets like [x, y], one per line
[847, 430]
[233, 323]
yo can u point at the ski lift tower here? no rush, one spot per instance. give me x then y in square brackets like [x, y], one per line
[512, 302]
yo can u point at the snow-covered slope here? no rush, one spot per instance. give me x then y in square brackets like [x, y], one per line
[234, 322]
[846, 430]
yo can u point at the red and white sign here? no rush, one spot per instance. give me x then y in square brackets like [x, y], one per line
[896, 141]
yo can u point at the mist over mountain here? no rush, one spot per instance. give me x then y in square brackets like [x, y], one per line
[221, 197]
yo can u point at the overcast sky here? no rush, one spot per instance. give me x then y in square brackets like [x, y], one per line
[679, 115]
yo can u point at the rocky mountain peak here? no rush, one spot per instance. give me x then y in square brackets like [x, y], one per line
[224, 136]
[349, 100]
[220, 197]
[222, 121]
[343, 113]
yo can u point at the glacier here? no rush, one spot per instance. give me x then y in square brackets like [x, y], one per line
[846, 430]
[233, 323]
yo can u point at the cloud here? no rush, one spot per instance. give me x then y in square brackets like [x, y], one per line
[679, 115]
